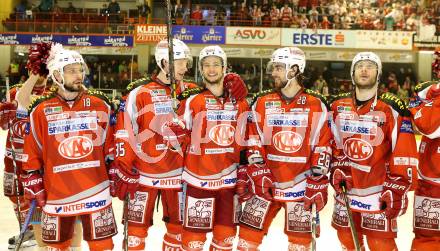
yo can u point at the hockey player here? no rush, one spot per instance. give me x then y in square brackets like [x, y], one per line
[21, 97]
[66, 171]
[159, 162]
[14, 149]
[375, 158]
[215, 118]
[427, 195]
[289, 155]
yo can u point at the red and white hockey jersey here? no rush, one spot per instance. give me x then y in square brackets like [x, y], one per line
[69, 141]
[15, 139]
[427, 122]
[372, 141]
[292, 136]
[218, 129]
[140, 142]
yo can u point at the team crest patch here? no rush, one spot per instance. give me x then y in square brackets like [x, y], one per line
[137, 206]
[340, 215]
[8, 184]
[427, 213]
[199, 213]
[377, 222]
[298, 219]
[50, 228]
[255, 211]
[103, 223]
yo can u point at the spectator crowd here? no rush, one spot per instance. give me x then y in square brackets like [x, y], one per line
[314, 14]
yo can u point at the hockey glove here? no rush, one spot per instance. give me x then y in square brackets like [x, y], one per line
[175, 132]
[254, 157]
[235, 87]
[243, 187]
[8, 112]
[394, 197]
[124, 183]
[34, 188]
[339, 179]
[261, 179]
[433, 92]
[316, 192]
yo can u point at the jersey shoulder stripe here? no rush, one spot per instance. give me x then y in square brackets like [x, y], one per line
[337, 97]
[189, 92]
[319, 96]
[396, 103]
[100, 95]
[260, 94]
[424, 85]
[40, 99]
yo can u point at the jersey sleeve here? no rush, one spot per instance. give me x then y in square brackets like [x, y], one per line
[109, 143]
[255, 135]
[404, 156]
[186, 113]
[33, 142]
[242, 132]
[320, 141]
[125, 129]
[424, 114]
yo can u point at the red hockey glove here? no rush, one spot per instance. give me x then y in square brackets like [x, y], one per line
[125, 183]
[8, 112]
[433, 92]
[254, 157]
[176, 131]
[394, 199]
[243, 187]
[235, 86]
[262, 180]
[316, 192]
[34, 188]
[339, 179]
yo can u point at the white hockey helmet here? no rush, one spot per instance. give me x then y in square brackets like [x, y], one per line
[370, 56]
[59, 58]
[180, 51]
[289, 56]
[213, 50]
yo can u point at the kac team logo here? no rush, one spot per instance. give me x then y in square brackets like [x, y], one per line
[75, 147]
[19, 128]
[357, 149]
[222, 135]
[287, 141]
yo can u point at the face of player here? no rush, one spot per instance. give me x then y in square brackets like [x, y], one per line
[180, 68]
[73, 77]
[212, 70]
[279, 75]
[365, 74]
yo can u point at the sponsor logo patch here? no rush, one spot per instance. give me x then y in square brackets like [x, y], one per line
[221, 115]
[358, 127]
[72, 125]
[52, 110]
[287, 120]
